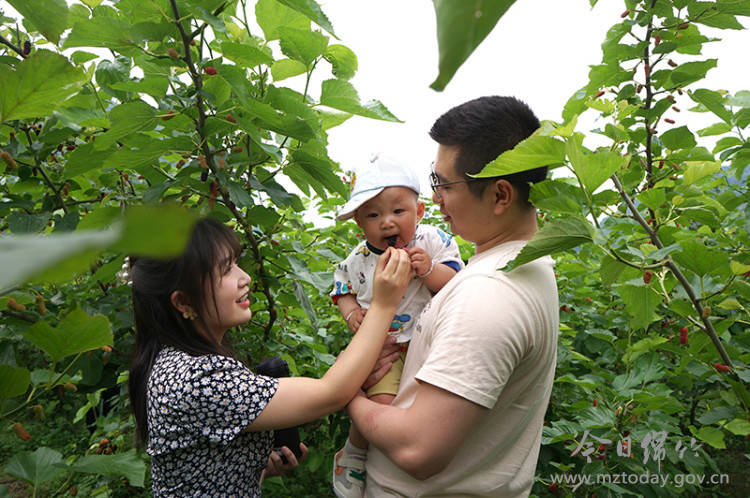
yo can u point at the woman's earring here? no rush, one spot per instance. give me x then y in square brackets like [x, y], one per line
[189, 314]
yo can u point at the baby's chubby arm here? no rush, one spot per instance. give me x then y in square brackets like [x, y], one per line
[433, 275]
[351, 311]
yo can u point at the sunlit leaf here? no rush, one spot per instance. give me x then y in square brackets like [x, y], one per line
[50, 17]
[312, 11]
[37, 85]
[556, 235]
[461, 27]
[534, 152]
[341, 95]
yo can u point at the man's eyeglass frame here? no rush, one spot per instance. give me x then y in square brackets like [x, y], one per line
[434, 182]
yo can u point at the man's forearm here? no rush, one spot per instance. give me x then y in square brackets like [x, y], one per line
[384, 426]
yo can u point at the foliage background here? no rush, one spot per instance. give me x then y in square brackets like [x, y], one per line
[115, 150]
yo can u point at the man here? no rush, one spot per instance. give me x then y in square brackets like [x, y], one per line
[468, 416]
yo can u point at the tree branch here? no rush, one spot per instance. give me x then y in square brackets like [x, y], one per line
[708, 326]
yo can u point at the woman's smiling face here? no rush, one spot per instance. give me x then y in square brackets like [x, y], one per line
[228, 303]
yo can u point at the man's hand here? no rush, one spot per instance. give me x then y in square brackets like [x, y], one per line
[355, 319]
[275, 467]
[421, 262]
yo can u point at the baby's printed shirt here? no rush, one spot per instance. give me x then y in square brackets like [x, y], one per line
[354, 276]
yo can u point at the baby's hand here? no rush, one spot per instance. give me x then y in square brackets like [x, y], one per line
[355, 319]
[420, 260]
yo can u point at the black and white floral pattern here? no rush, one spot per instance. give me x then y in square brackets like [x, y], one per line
[197, 409]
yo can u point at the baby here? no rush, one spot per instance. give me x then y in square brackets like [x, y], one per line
[385, 204]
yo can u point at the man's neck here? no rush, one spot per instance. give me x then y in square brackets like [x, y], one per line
[514, 226]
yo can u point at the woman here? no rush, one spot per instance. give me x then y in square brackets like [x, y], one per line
[206, 418]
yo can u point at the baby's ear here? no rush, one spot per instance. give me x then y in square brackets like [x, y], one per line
[420, 210]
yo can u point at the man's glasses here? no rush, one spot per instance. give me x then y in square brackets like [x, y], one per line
[435, 183]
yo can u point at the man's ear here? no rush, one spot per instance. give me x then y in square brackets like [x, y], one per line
[179, 301]
[503, 195]
[420, 210]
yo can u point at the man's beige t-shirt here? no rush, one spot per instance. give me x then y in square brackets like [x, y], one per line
[491, 338]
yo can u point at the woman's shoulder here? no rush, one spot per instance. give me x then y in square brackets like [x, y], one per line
[178, 363]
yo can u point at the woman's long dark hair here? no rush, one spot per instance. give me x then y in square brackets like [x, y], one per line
[158, 323]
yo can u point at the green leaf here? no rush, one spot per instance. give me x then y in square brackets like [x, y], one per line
[461, 27]
[20, 222]
[287, 68]
[557, 196]
[269, 118]
[100, 31]
[127, 119]
[272, 15]
[592, 169]
[49, 17]
[127, 464]
[302, 272]
[690, 72]
[311, 10]
[710, 435]
[156, 231]
[695, 170]
[738, 426]
[85, 158]
[557, 235]
[239, 194]
[76, 333]
[37, 85]
[610, 269]
[13, 381]
[24, 256]
[245, 55]
[341, 95]
[343, 61]
[700, 259]
[678, 138]
[715, 129]
[35, 468]
[640, 303]
[714, 102]
[322, 172]
[304, 302]
[531, 153]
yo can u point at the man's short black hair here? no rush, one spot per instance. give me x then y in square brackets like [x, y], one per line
[484, 128]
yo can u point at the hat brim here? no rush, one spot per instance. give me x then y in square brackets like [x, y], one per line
[348, 209]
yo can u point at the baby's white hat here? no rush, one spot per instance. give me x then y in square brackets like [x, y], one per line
[369, 180]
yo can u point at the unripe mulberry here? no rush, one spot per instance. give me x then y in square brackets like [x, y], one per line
[647, 277]
[211, 70]
[5, 155]
[721, 367]
[20, 431]
[40, 306]
[173, 53]
[15, 305]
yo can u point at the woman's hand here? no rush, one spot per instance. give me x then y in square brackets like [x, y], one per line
[276, 467]
[392, 274]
